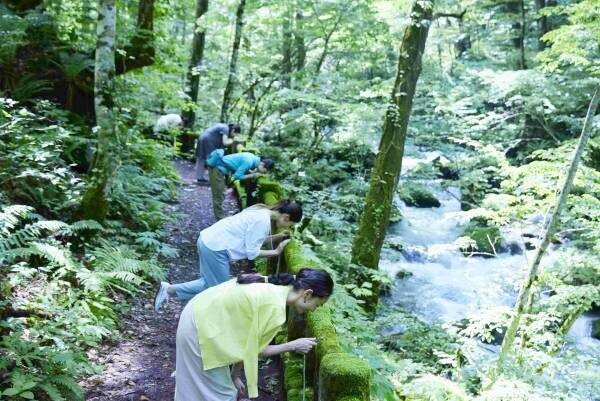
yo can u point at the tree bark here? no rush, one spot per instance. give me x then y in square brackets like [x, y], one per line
[549, 230]
[542, 23]
[366, 247]
[286, 64]
[140, 50]
[193, 78]
[299, 45]
[231, 78]
[94, 204]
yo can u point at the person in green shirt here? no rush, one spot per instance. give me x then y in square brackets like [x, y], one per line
[233, 323]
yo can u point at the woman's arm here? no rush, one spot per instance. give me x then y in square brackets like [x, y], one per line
[303, 345]
[273, 252]
[284, 235]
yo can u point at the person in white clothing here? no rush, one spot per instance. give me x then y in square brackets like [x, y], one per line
[169, 121]
[240, 236]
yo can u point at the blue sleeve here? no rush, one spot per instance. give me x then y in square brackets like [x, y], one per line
[242, 169]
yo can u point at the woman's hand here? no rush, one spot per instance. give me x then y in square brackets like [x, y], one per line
[239, 385]
[282, 245]
[303, 345]
[285, 234]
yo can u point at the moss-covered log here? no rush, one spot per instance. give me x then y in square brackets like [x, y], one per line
[317, 324]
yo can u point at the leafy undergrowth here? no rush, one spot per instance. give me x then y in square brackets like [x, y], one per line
[64, 283]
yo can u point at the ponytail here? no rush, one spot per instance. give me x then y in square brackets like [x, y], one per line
[317, 280]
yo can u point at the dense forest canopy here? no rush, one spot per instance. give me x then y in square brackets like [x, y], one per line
[428, 142]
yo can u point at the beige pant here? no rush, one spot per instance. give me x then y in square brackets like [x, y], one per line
[192, 382]
[217, 187]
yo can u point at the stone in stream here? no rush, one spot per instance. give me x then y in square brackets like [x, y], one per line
[417, 195]
[447, 170]
[596, 329]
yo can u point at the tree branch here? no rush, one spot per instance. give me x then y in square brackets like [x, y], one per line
[450, 15]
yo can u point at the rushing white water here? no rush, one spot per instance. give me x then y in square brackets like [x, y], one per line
[446, 286]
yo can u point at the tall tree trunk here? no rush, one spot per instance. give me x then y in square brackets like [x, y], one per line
[94, 204]
[549, 230]
[286, 64]
[542, 23]
[517, 11]
[193, 78]
[139, 52]
[239, 24]
[299, 45]
[366, 247]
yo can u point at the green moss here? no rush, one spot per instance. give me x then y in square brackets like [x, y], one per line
[294, 258]
[344, 375]
[320, 325]
[292, 375]
[241, 193]
[266, 185]
[296, 394]
[417, 195]
[487, 238]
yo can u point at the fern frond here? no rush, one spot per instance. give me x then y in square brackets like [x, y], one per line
[86, 225]
[11, 215]
[52, 391]
[68, 383]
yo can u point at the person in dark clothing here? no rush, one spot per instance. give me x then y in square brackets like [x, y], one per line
[216, 137]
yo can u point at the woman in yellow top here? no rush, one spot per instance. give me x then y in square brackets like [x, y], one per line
[233, 323]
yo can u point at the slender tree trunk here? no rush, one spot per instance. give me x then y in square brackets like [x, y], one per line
[239, 24]
[299, 45]
[286, 64]
[542, 23]
[549, 230]
[523, 25]
[193, 78]
[366, 247]
[94, 204]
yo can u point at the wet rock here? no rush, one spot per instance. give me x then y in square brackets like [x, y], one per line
[596, 329]
[446, 169]
[415, 254]
[512, 248]
[418, 196]
[403, 274]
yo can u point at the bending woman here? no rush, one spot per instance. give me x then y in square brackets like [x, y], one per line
[236, 237]
[233, 323]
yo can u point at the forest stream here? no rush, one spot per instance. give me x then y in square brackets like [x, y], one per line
[444, 286]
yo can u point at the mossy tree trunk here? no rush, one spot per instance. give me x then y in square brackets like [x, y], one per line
[94, 204]
[193, 77]
[548, 232]
[366, 247]
[231, 77]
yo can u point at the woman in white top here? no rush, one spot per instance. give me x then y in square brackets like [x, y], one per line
[237, 237]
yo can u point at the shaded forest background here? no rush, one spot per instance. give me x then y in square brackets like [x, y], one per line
[502, 92]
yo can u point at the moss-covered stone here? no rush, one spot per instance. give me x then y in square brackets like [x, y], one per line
[343, 375]
[486, 236]
[321, 326]
[292, 375]
[417, 195]
[296, 395]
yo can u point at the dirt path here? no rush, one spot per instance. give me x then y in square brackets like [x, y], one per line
[139, 365]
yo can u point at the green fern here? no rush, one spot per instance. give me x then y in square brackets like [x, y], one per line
[52, 391]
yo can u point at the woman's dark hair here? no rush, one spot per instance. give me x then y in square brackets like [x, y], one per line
[234, 128]
[268, 163]
[289, 207]
[317, 280]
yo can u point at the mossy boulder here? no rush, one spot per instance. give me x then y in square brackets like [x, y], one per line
[417, 195]
[343, 376]
[486, 239]
[596, 329]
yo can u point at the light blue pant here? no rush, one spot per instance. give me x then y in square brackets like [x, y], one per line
[214, 269]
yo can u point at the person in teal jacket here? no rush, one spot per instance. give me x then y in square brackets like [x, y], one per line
[241, 166]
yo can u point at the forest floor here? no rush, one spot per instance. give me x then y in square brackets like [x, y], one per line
[139, 364]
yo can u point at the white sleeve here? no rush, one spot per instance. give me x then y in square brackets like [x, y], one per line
[255, 235]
